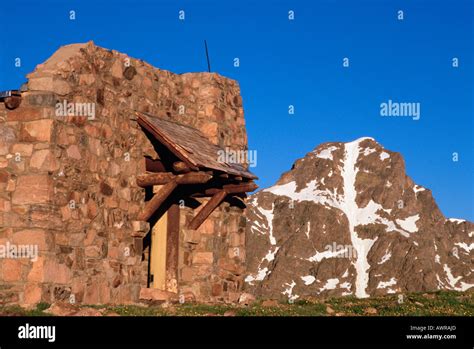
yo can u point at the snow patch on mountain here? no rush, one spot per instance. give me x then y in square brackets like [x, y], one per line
[326, 153]
[384, 155]
[308, 193]
[368, 151]
[268, 214]
[418, 188]
[330, 284]
[456, 220]
[385, 284]
[319, 256]
[354, 216]
[465, 246]
[409, 223]
[385, 257]
[289, 290]
[308, 279]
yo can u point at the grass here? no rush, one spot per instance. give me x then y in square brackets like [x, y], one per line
[442, 303]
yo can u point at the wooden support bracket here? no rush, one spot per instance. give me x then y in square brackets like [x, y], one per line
[156, 201]
[216, 199]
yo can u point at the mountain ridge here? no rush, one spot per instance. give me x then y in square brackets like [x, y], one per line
[358, 196]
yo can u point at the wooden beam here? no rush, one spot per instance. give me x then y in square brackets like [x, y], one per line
[145, 180]
[207, 209]
[233, 188]
[12, 102]
[181, 167]
[138, 243]
[201, 194]
[193, 178]
[240, 188]
[237, 178]
[149, 179]
[172, 243]
[156, 201]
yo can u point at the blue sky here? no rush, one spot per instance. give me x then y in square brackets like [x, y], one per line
[296, 63]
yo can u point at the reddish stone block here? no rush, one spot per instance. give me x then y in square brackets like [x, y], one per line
[92, 130]
[33, 189]
[233, 297]
[49, 83]
[25, 114]
[38, 237]
[37, 131]
[5, 205]
[36, 271]
[44, 83]
[92, 251]
[210, 129]
[11, 270]
[32, 294]
[74, 152]
[207, 228]
[191, 236]
[90, 236]
[104, 292]
[86, 79]
[154, 294]
[231, 265]
[44, 160]
[203, 258]
[24, 149]
[91, 295]
[204, 270]
[49, 270]
[117, 69]
[234, 240]
[4, 176]
[216, 290]
[78, 286]
[187, 274]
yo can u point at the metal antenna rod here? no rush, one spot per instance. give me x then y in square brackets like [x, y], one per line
[207, 56]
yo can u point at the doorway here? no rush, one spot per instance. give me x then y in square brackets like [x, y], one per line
[158, 253]
[163, 244]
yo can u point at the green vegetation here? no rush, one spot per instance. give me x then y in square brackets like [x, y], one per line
[417, 304]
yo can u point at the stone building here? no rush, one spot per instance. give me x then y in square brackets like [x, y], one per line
[110, 168]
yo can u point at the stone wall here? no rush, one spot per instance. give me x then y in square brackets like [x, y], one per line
[211, 261]
[67, 182]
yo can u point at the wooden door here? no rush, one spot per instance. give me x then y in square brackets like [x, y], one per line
[158, 253]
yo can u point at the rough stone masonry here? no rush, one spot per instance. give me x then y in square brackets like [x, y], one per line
[69, 157]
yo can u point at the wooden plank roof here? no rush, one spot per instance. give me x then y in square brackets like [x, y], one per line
[190, 145]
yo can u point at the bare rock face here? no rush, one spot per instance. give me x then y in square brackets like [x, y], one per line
[347, 220]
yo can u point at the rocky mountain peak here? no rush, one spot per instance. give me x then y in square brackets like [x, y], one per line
[347, 220]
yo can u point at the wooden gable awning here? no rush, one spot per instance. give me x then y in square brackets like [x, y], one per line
[204, 173]
[190, 145]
